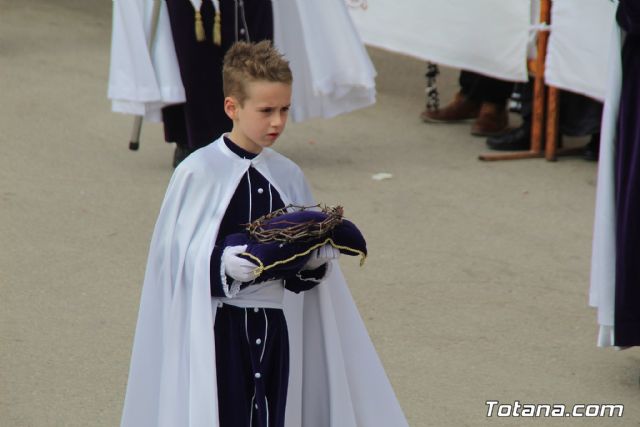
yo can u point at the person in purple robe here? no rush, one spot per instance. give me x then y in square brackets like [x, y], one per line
[627, 182]
[201, 119]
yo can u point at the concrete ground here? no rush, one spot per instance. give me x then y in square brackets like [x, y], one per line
[475, 288]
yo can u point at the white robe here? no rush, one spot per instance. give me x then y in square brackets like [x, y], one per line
[336, 378]
[603, 258]
[141, 82]
[331, 69]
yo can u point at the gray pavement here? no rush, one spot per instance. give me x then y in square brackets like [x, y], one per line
[475, 289]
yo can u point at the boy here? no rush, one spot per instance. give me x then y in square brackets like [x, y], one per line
[213, 346]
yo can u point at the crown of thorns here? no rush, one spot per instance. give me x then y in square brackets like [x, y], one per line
[269, 228]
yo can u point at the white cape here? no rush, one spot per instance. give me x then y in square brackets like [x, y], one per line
[580, 35]
[332, 72]
[336, 378]
[603, 258]
[141, 82]
[331, 69]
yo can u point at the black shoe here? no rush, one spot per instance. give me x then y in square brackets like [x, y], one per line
[592, 149]
[517, 139]
[179, 154]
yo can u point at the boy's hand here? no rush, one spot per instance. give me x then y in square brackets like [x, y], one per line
[238, 268]
[321, 256]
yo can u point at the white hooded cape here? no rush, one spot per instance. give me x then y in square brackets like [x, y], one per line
[332, 71]
[336, 378]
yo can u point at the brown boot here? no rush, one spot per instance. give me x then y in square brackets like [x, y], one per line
[461, 108]
[492, 120]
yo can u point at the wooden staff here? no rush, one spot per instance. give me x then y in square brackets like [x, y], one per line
[550, 152]
[134, 141]
[537, 122]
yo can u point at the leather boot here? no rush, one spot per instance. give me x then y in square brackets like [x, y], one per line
[461, 108]
[592, 149]
[493, 119]
[517, 139]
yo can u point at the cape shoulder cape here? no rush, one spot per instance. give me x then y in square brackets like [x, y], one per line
[172, 378]
[142, 82]
[331, 68]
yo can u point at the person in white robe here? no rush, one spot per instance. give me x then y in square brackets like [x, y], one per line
[335, 376]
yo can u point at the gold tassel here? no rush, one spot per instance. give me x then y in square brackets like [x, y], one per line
[217, 33]
[199, 27]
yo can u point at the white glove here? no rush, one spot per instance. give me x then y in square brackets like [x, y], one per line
[238, 268]
[321, 256]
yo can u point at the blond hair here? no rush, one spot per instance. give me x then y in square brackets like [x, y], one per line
[250, 62]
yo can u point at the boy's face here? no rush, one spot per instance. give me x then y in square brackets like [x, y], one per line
[261, 119]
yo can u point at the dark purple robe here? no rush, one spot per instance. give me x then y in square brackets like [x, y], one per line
[627, 296]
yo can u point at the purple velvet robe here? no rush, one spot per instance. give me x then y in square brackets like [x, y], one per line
[627, 296]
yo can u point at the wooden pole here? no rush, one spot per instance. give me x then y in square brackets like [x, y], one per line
[537, 121]
[551, 148]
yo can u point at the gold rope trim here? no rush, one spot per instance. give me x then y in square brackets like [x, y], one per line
[200, 36]
[217, 32]
[262, 268]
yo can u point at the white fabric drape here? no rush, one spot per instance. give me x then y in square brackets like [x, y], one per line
[491, 36]
[577, 58]
[486, 36]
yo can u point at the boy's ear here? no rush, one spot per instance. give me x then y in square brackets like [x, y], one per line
[231, 107]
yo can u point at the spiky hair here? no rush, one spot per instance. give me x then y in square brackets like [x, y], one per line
[249, 62]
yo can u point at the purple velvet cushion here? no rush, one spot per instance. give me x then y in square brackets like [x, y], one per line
[282, 258]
